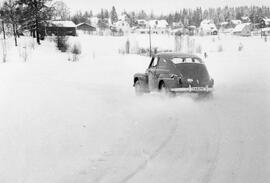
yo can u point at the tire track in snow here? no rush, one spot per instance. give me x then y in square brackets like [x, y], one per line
[143, 165]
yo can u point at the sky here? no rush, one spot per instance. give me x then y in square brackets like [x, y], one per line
[156, 6]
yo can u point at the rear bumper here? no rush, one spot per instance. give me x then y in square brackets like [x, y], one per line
[193, 89]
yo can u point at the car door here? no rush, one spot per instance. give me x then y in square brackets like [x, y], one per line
[151, 72]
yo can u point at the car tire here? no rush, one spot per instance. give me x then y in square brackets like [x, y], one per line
[165, 90]
[139, 89]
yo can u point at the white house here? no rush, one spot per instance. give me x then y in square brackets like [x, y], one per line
[243, 29]
[207, 27]
[158, 26]
[123, 25]
[234, 23]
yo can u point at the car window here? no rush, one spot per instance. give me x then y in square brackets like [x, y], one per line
[154, 62]
[162, 62]
[178, 60]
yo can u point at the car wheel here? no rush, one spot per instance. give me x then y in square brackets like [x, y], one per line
[138, 88]
[165, 90]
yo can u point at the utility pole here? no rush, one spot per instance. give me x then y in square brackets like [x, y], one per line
[150, 49]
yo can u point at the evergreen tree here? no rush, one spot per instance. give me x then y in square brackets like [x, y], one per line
[113, 15]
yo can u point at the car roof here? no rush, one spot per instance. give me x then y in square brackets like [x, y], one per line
[170, 55]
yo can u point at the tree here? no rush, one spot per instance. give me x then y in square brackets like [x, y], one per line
[113, 15]
[37, 12]
[61, 11]
[11, 13]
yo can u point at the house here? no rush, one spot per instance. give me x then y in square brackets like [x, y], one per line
[265, 31]
[142, 23]
[243, 29]
[123, 26]
[176, 25]
[158, 26]
[85, 27]
[245, 19]
[234, 23]
[60, 28]
[264, 22]
[207, 27]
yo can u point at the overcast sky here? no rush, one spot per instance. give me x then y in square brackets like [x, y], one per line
[157, 6]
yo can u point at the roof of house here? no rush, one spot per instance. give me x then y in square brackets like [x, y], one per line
[267, 21]
[62, 24]
[240, 27]
[84, 23]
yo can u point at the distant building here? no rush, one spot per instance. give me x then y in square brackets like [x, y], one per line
[158, 26]
[207, 27]
[266, 31]
[123, 26]
[234, 23]
[264, 22]
[60, 28]
[85, 27]
[243, 29]
[245, 19]
[142, 23]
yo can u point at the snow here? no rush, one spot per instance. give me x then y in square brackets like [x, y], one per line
[63, 121]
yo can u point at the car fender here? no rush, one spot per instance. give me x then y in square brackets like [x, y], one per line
[169, 82]
[142, 77]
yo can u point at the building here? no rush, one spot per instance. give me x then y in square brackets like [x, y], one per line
[243, 29]
[266, 31]
[60, 28]
[207, 27]
[142, 23]
[123, 26]
[158, 26]
[245, 19]
[85, 27]
[234, 23]
[264, 22]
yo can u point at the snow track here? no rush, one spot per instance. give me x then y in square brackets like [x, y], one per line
[80, 122]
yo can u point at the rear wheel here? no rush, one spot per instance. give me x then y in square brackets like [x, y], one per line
[139, 90]
[165, 90]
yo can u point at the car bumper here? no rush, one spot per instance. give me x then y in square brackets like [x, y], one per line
[192, 89]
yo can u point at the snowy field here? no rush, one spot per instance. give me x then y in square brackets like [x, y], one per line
[80, 122]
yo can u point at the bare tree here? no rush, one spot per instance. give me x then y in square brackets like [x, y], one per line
[11, 12]
[61, 10]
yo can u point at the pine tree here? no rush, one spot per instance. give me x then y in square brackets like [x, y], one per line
[113, 15]
[36, 13]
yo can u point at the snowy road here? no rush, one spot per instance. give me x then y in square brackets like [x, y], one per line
[80, 122]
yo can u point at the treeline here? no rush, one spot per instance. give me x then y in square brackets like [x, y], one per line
[185, 16]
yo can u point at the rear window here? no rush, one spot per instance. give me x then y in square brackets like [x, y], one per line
[178, 60]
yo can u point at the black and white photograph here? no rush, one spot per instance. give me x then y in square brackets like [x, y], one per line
[145, 91]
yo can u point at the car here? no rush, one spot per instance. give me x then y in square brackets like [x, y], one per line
[174, 73]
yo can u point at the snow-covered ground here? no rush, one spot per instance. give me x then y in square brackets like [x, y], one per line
[63, 121]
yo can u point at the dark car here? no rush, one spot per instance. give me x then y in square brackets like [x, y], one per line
[173, 73]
